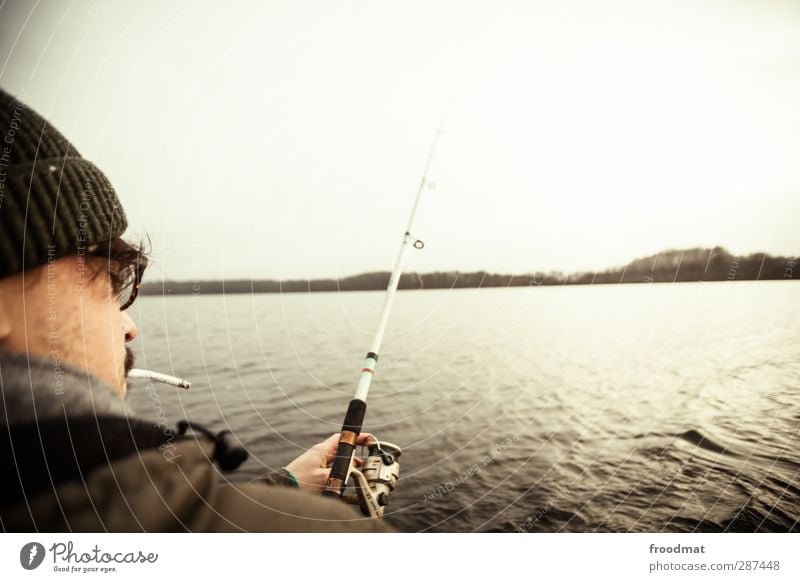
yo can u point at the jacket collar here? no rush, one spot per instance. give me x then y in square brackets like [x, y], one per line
[34, 388]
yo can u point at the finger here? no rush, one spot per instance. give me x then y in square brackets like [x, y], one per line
[365, 438]
[328, 444]
[328, 448]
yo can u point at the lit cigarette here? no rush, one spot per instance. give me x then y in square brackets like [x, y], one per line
[157, 377]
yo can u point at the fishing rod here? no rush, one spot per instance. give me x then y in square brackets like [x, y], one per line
[379, 473]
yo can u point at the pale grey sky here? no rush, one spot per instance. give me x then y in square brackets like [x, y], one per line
[286, 139]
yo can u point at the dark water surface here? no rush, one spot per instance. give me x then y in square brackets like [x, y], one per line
[663, 407]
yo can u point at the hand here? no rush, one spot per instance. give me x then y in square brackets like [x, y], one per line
[313, 467]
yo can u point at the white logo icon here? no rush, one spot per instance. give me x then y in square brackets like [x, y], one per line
[31, 555]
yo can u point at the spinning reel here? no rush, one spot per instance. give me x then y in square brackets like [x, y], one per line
[376, 479]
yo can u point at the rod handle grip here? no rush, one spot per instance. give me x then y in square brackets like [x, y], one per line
[351, 428]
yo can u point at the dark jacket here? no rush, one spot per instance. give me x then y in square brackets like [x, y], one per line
[75, 459]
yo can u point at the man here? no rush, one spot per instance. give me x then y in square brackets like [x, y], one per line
[73, 457]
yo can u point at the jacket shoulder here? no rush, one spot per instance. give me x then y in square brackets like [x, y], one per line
[178, 488]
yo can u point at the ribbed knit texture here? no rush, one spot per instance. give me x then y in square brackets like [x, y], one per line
[52, 201]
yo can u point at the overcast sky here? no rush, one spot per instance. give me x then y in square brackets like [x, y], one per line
[287, 139]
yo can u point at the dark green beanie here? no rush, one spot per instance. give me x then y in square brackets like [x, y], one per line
[52, 202]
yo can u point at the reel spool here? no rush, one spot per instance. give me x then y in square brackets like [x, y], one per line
[376, 479]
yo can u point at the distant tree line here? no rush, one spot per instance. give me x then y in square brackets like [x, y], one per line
[696, 264]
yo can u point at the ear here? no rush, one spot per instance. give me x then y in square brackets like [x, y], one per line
[8, 288]
[5, 322]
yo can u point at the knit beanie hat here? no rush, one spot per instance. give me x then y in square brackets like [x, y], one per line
[52, 201]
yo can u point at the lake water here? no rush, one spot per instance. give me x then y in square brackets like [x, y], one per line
[660, 407]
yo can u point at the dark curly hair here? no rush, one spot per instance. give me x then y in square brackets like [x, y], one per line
[123, 262]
